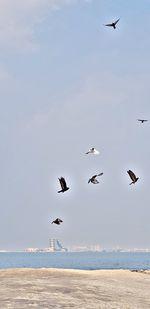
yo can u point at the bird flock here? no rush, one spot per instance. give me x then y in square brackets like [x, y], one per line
[93, 151]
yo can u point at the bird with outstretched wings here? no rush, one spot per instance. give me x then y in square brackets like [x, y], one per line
[63, 185]
[142, 120]
[113, 24]
[92, 151]
[132, 176]
[93, 179]
[57, 221]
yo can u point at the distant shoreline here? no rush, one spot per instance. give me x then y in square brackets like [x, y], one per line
[133, 270]
[136, 270]
[69, 251]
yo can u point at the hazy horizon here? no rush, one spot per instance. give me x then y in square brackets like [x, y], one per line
[68, 83]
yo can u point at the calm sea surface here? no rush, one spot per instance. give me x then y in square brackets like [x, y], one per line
[76, 260]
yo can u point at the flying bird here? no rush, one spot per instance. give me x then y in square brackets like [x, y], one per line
[92, 151]
[142, 120]
[94, 180]
[132, 176]
[57, 221]
[113, 24]
[63, 185]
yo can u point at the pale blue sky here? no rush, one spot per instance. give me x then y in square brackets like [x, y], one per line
[68, 83]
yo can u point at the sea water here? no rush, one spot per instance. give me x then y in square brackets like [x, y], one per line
[76, 260]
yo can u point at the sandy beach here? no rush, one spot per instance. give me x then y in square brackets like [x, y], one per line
[58, 288]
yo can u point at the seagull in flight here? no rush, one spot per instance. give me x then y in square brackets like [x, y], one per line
[132, 176]
[142, 120]
[57, 221]
[92, 151]
[113, 24]
[63, 185]
[93, 179]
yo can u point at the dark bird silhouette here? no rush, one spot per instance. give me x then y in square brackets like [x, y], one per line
[92, 151]
[57, 221]
[63, 185]
[113, 24]
[132, 176]
[93, 179]
[142, 120]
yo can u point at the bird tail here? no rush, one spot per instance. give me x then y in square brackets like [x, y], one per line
[131, 183]
[59, 191]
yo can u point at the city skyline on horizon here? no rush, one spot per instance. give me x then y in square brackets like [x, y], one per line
[79, 248]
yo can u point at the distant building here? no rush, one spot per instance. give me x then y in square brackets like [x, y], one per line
[35, 250]
[84, 248]
[55, 245]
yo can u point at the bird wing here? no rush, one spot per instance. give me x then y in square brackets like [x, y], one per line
[96, 152]
[92, 179]
[55, 221]
[132, 175]
[89, 151]
[100, 174]
[109, 25]
[116, 21]
[142, 119]
[63, 183]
